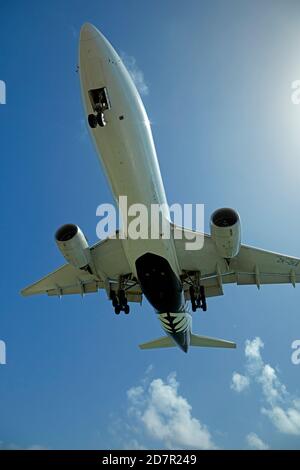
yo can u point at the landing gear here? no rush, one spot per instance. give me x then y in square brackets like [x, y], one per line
[196, 291]
[92, 119]
[100, 103]
[193, 299]
[95, 119]
[117, 309]
[114, 299]
[101, 119]
[198, 300]
[119, 301]
[202, 299]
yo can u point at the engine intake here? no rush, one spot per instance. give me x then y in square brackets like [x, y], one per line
[74, 246]
[225, 227]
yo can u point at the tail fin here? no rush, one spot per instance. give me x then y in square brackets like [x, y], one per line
[164, 342]
[207, 342]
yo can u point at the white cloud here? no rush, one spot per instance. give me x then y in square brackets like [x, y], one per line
[255, 442]
[133, 444]
[281, 409]
[286, 421]
[239, 382]
[135, 73]
[165, 416]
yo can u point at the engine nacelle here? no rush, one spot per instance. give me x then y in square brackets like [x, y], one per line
[74, 246]
[225, 229]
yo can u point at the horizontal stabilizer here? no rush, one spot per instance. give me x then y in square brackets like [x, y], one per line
[164, 342]
[207, 342]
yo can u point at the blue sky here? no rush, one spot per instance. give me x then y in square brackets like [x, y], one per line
[74, 376]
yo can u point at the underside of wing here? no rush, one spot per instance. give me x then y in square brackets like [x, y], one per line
[256, 266]
[65, 280]
[109, 266]
[251, 266]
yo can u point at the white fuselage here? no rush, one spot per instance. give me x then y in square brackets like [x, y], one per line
[125, 145]
[126, 150]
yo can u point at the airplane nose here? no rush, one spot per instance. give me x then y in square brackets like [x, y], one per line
[88, 32]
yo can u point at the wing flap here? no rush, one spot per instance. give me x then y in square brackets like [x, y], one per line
[80, 288]
[267, 278]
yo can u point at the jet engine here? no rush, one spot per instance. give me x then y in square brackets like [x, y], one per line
[225, 229]
[74, 246]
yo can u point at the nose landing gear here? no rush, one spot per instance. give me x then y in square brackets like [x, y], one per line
[92, 120]
[101, 119]
[100, 103]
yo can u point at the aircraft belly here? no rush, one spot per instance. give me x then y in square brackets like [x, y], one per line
[125, 145]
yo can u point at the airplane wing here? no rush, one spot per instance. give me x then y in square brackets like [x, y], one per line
[110, 263]
[250, 266]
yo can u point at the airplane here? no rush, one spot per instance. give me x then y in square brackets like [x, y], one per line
[162, 270]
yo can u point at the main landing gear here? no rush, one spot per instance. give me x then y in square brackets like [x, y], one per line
[195, 289]
[118, 298]
[100, 103]
[119, 302]
[198, 300]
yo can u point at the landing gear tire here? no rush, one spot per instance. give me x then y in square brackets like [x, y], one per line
[126, 309]
[193, 299]
[122, 298]
[203, 299]
[101, 119]
[92, 119]
[114, 299]
[117, 309]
